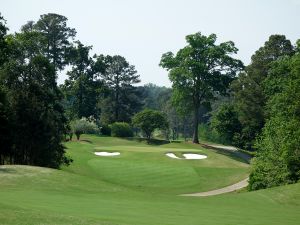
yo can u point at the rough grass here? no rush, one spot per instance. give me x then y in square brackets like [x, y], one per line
[139, 187]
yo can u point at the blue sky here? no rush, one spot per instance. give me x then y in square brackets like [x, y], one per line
[142, 31]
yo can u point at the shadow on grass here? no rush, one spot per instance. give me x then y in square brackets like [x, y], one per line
[87, 141]
[6, 170]
[156, 142]
[236, 155]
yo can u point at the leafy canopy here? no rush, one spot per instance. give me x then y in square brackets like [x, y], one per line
[278, 158]
[199, 71]
[148, 120]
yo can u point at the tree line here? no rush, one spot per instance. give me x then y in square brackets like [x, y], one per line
[261, 113]
[37, 114]
[253, 107]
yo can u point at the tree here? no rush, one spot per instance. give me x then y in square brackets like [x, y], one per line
[5, 124]
[82, 89]
[83, 126]
[121, 129]
[148, 120]
[278, 156]
[248, 89]
[153, 96]
[199, 71]
[3, 43]
[5, 127]
[119, 77]
[37, 116]
[225, 122]
[57, 37]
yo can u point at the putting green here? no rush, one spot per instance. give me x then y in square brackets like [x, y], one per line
[144, 167]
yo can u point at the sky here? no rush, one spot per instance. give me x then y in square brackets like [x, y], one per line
[142, 30]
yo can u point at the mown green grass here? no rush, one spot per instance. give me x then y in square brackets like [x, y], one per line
[140, 186]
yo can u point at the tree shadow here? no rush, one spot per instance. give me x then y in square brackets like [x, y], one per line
[155, 142]
[87, 141]
[236, 155]
[6, 170]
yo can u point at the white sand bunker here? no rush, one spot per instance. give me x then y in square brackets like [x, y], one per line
[107, 153]
[172, 155]
[194, 156]
[187, 156]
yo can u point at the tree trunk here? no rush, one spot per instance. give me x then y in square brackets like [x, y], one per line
[117, 100]
[184, 128]
[77, 136]
[117, 106]
[196, 123]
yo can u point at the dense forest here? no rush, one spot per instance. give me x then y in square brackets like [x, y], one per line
[214, 97]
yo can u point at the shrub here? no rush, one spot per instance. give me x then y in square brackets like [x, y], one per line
[121, 129]
[105, 130]
[148, 120]
[83, 126]
[207, 133]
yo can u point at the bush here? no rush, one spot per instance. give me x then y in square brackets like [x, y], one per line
[121, 129]
[83, 126]
[207, 133]
[105, 130]
[148, 120]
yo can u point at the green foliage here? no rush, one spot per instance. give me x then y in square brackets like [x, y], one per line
[105, 130]
[148, 120]
[206, 133]
[83, 126]
[57, 37]
[28, 81]
[225, 122]
[153, 96]
[278, 157]
[196, 75]
[3, 43]
[5, 127]
[121, 101]
[82, 90]
[249, 88]
[121, 129]
[36, 112]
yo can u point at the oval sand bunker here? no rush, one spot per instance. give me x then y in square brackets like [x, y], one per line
[107, 153]
[187, 156]
[194, 156]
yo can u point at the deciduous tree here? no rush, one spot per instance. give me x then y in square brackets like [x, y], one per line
[249, 91]
[148, 120]
[199, 70]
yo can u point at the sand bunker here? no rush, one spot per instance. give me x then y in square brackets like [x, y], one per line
[172, 155]
[194, 156]
[187, 156]
[107, 153]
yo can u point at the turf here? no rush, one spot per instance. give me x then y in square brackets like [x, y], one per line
[140, 186]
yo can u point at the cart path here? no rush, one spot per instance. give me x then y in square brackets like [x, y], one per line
[231, 188]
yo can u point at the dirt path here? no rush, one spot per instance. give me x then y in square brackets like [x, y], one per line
[231, 188]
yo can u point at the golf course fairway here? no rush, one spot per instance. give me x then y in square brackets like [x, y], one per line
[140, 186]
